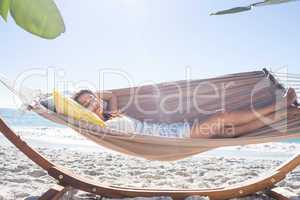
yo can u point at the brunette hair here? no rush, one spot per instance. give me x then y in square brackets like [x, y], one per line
[106, 115]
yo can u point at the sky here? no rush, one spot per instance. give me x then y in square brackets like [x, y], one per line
[149, 41]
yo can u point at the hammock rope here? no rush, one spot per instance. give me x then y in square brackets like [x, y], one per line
[289, 80]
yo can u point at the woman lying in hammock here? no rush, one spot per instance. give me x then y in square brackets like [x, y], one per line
[232, 124]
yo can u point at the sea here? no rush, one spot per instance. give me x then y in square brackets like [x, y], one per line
[42, 133]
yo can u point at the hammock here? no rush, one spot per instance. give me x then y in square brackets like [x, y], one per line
[243, 91]
[151, 147]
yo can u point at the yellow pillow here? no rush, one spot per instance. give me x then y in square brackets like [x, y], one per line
[69, 107]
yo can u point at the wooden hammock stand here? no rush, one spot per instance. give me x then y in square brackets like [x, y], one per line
[66, 179]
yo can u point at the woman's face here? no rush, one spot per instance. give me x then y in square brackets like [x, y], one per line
[92, 103]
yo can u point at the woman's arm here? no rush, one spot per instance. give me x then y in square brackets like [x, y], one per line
[111, 98]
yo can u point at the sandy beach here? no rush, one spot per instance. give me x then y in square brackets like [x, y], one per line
[22, 179]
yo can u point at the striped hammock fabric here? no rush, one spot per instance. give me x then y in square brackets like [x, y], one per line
[171, 102]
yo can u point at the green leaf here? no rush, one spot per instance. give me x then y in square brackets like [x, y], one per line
[246, 8]
[4, 8]
[39, 17]
[232, 10]
[274, 2]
